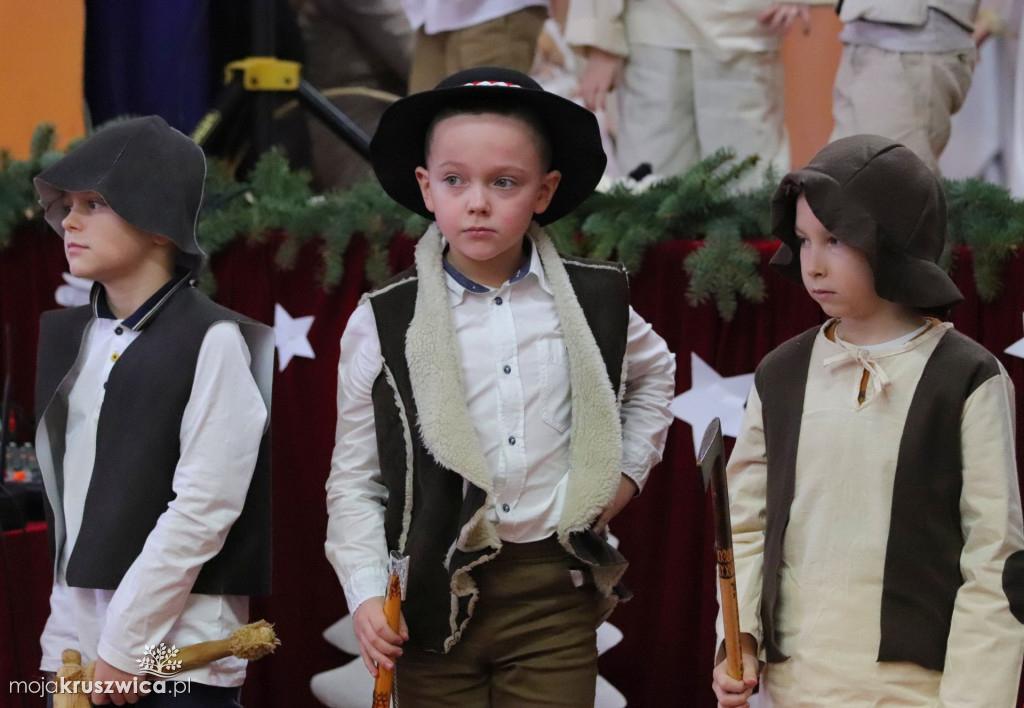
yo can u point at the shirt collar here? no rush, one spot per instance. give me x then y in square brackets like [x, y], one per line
[531, 265]
[138, 320]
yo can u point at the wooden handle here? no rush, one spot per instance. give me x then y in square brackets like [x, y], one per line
[730, 613]
[196, 655]
[71, 671]
[392, 613]
[250, 642]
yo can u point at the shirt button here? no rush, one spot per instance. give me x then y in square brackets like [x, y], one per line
[511, 440]
[506, 508]
[119, 330]
[507, 369]
[113, 357]
[498, 300]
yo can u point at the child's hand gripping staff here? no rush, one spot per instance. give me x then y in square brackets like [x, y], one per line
[711, 459]
[251, 642]
[398, 569]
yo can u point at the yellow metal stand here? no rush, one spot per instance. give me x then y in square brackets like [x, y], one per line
[265, 73]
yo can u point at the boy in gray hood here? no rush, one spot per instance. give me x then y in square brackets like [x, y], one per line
[152, 405]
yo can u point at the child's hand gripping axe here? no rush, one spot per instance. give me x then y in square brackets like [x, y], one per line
[398, 570]
[712, 469]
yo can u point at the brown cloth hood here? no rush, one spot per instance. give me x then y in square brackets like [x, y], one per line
[876, 195]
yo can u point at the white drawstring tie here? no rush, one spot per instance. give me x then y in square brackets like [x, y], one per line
[879, 378]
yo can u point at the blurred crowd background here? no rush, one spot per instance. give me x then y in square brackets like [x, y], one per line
[671, 80]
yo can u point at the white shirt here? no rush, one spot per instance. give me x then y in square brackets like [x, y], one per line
[221, 429]
[722, 28]
[940, 33]
[515, 371]
[436, 16]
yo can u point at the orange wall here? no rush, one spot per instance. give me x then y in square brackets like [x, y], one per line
[810, 63]
[41, 64]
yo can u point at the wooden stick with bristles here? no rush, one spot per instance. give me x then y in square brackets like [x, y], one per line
[251, 642]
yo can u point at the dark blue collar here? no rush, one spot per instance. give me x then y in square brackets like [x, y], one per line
[138, 320]
[474, 287]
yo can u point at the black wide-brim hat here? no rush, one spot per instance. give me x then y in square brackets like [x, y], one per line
[399, 145]
[878, 196]
[150, 174]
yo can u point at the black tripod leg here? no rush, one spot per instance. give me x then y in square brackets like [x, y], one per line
[228, 100]
[339, 123]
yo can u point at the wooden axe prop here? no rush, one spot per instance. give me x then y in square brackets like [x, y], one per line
[711, 461]
[251, 642]
[398, 574]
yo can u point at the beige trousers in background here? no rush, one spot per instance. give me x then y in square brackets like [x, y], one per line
[532, 640]
[678, 106]
[908, 97]
[509, 41]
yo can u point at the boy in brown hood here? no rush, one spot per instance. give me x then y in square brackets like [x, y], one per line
[876, 511]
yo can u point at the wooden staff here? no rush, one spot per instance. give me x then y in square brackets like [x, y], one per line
[712, 468]
[398, 569]
[251, 642]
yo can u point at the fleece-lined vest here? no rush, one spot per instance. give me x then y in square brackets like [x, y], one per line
[137, 445]
[428, 516]
[907, 12]
[922, 558]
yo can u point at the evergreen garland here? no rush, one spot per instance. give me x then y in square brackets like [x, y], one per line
[702, 203]
[622, 223]
[990, 222]
[18, 200]
[277, 198]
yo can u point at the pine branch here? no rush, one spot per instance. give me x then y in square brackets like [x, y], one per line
[624, 222]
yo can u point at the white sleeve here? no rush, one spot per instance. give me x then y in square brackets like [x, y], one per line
[356, 495]
[986, 642]
[597, 23]
[221, 430]
[747, 472]
[650, 383]
[59, 633]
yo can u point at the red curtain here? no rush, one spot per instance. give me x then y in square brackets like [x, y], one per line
[666, 654]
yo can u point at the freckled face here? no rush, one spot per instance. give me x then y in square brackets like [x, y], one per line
[484, 182]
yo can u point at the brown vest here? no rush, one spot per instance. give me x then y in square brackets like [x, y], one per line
[440, 510]
[922, 560]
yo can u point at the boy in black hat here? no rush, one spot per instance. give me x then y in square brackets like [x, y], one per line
[498, 404]
[152, 405]
[876, 512]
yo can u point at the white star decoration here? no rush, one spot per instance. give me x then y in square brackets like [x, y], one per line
[1016, 349]
[291, 335]
[74, 293]
[712, 395]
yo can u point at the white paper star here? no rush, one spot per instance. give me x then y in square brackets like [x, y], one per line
[75, 293]
[291, 335]
[1016, 349]
[712, 395]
